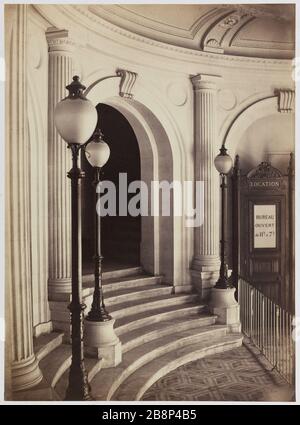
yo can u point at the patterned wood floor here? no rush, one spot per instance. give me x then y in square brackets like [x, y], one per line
[236, 375]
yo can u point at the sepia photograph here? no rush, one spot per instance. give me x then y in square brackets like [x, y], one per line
[150, 203]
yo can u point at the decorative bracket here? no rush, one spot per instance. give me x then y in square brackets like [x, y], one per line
[286, 99]
[127, 82]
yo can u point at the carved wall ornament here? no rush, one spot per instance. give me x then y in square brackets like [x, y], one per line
[227, 99]
[212, 42]
[264, 171]
[177, 93]
[230, 21]
[286, 100]
[127, 82]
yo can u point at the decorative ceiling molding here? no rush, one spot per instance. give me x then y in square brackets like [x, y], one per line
[223, 32]
[87, 24]
[280, 12]
[233, 32]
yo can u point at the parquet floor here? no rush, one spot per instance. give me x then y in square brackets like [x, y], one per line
[236, 375]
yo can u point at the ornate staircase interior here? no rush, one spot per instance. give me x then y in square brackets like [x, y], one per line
[159, 331]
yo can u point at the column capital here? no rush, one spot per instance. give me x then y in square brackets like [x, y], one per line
[59, 40]
[205, 81]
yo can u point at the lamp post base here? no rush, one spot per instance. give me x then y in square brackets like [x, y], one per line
[101, 341]
[224, 305]
[79, 387]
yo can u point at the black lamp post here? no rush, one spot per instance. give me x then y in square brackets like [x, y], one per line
[97, 153]
[75, 119]
[223, 164]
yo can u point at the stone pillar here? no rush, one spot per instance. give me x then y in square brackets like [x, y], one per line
[205, 265]
[25, 372]
[59, 162]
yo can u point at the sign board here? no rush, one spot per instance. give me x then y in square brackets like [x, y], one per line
[262, 230]
[264, 184]
[264, 226]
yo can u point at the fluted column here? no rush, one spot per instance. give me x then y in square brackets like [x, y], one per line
[59, 197]
[25, 371]
[205, 265]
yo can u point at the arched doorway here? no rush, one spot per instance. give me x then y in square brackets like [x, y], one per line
[157, 154]
[120, 234]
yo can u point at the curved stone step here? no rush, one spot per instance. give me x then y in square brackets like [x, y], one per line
[92, 366]
[130, 282]
[115, 273]
[106, 383]
[122, 299]
[61, 314]
[134, 307]
[140, 381]
[56, 363]
[123, 283]
[112, 283]
[134, 294]
[44, 344]
[124, 312]
[134, 321]
[156, 330]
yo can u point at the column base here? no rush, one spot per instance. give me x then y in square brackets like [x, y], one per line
[101, 341]
[183, 289]
[25, 374]
[224, 305]
[41, 392]
[204, 274]
[59, 289]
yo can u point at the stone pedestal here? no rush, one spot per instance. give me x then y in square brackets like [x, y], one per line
[205, 264]
[224, 305]
[101, 341]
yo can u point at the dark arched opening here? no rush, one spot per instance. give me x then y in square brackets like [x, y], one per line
[120, 235]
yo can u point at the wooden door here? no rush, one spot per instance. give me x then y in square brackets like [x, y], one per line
[263, 245]
[263, 231]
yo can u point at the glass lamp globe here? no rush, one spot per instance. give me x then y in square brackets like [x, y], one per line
[97, 152]
[75, 117]
[223, 161]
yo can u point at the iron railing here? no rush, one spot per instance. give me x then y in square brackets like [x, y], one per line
[269, 327]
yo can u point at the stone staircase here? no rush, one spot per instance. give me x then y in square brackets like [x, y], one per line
[159, 331]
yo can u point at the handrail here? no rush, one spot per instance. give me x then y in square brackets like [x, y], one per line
[269, 327]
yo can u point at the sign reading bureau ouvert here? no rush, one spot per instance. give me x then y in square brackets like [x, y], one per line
[264, 226]
[263, 235]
